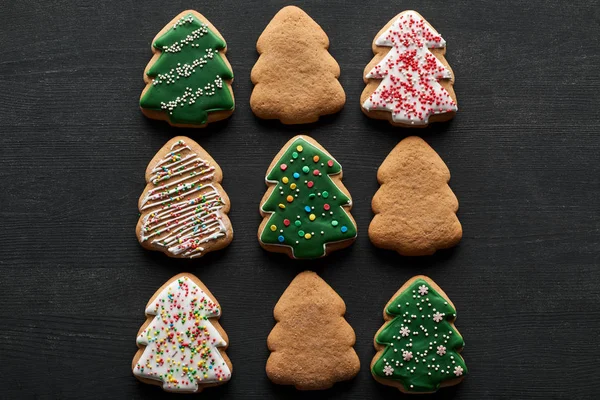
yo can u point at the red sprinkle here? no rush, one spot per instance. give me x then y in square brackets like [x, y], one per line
[326, 206]
[330, 163]
[310, 184]
[286, 222]
[283, 167]
[316, 172]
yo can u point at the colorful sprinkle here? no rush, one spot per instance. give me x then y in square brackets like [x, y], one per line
[344, 229]
[285, 180]
[307, 208]
[310, 184]
[286, 222]
[334, 223]
[293, 186]
[281, 239]
[307, 236]
[283, 167]
[296, 175]
[290, 198]
[325, 194]
[299, 148]
[330, 163]
[316, 158]
[316, 172]
[273, 228]
[326, 207]
[312, 217]
[300, 233]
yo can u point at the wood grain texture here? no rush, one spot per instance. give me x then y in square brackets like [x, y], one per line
[523, 151]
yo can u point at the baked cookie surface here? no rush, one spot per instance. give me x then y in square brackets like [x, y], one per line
[311, 344]
[415, 209]
[295, 78]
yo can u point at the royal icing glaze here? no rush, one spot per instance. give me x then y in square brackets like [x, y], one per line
[410, 73]
[421, 344]
[181, 343]
[183, 209]
[188, 77]
[306, 206]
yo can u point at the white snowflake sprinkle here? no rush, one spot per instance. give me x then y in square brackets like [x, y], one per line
[423, 290]
[441, 350]
[407, 355]
[458, 370]
[437, 317]
[388, 370]
[404, 331]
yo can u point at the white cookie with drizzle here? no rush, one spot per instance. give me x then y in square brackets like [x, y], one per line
[183, 207]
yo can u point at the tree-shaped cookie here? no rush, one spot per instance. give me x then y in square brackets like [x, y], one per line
[311, 344]
[188, 80]
[183, 207]
[415, 209]
[409, 82]
[306, 208]
[181, 344]
[418, 348]
[295, 78]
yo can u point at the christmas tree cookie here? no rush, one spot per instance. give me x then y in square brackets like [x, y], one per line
[311, 344]
[183, 209]
[409, 82]
[181, 344]
[188, 80]
[415, 209]
[418, 348]
[306, 207]
[295, 78]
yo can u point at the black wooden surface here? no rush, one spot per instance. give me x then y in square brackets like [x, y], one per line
[523, 152]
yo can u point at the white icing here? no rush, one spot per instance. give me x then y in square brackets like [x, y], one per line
[410, 73]
[181, 342]
[184, 211]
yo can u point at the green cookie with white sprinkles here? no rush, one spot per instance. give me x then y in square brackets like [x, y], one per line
[188, 80]
[418, 348]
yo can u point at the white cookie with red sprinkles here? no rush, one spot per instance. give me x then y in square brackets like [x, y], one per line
[409, 82]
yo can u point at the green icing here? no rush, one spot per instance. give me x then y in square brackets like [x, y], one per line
[292, 224]
[420, 353]
[190, 74]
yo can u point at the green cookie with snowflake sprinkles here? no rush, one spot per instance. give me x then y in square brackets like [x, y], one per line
[418, 348]
[306, 207]
[188, 80]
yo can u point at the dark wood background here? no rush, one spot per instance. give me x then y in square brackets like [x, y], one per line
[523, 152]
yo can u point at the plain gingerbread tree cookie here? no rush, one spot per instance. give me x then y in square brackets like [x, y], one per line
[312, 344]
[418, 348]
[415, 209]
[295, 78]
[183, 209]
[409, 82]
[181, 344]
[188, 80]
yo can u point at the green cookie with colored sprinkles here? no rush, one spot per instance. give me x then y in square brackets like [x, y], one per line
[418, 348]
[306, 209]
[188, 80]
